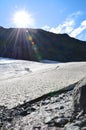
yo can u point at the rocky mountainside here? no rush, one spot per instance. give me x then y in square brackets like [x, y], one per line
[37, 44]
[52, 111]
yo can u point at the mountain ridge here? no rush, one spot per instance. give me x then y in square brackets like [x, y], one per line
[37, 44]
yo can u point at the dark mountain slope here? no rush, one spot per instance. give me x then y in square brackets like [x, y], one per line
[36, 44]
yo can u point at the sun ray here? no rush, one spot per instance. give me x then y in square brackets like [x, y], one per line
[22, 19]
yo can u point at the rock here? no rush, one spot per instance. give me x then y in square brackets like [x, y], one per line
[60, 122]
[57, 122]
[1, 124]
[83, 122]
[23, 113]
[37, 127]
[45, 102]
[78, 123]
[84, 128]
[9, 119]
[47, 120]
[72, 127]
[79, 96]
[61, 107]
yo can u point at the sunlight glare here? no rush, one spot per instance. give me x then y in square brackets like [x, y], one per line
[22, 19]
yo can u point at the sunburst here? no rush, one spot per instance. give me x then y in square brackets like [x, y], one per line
[22, 19]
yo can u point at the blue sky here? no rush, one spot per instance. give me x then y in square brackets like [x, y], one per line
[58, 16]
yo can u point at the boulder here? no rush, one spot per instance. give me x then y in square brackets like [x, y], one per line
[79, 96]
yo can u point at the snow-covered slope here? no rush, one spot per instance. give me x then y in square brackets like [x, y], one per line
[10, 68]
[26, 80]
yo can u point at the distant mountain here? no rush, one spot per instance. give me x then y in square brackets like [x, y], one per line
[37, 44]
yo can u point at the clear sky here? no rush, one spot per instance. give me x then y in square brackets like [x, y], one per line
[59, 16]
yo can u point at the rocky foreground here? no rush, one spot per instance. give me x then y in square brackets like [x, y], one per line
[59, 110]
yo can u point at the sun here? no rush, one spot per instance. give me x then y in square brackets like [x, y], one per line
[22, 19]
